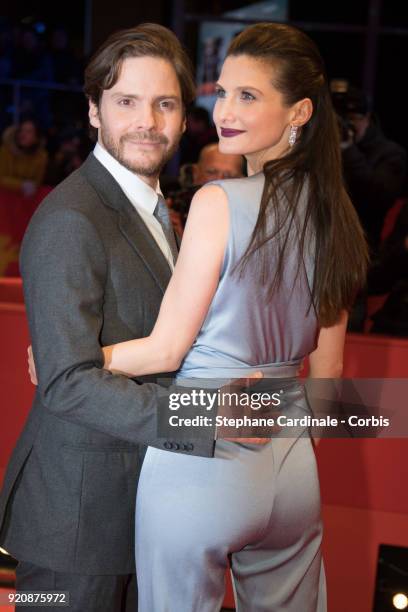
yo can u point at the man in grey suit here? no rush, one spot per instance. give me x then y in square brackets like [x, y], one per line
[95, 262]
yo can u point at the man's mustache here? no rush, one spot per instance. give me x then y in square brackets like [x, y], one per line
[152, 137]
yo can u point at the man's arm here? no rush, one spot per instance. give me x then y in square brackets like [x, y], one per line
[64, 272]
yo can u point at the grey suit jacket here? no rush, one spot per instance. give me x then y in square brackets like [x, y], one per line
[93, 275]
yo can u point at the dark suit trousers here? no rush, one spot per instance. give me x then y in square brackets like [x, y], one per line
[87, 593]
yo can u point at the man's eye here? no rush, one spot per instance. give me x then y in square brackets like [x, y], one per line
[167, 104]
[245, 95]
[125, 101]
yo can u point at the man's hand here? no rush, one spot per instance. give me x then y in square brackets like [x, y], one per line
[31, 366]
[233, 410]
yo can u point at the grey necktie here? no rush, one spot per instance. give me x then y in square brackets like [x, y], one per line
[161, 212]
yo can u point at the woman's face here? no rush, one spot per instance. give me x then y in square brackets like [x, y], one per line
[250, 114]
[27, 135]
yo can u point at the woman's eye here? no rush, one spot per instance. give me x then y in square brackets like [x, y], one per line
[125, 102]
[245, 95]
[220, 93]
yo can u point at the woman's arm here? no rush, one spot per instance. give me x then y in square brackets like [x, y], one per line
[326, 361]
[188, 295]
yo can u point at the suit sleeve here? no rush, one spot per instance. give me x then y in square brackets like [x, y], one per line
[64, 269]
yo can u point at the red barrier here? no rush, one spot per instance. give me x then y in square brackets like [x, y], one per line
[16, 390]
[15, 213]
[11, 290]
[365, 504]
[365, 500]
[6, 608]
[375, 356]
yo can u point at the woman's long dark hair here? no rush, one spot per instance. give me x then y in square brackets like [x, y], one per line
[341, 254]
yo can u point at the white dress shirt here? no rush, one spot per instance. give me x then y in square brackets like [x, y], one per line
[143, 197]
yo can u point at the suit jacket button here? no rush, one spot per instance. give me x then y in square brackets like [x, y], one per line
[168, 445]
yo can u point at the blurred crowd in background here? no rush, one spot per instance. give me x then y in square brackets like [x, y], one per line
[51, 140]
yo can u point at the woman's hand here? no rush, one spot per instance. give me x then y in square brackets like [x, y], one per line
[31, 366]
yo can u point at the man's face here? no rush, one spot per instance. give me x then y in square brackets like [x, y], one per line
[360, 124]
[140, 119]
[214, 165]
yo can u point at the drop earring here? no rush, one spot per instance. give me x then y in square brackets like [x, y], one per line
[292, 135]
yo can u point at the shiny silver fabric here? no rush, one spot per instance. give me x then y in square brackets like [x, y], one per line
[241, 328]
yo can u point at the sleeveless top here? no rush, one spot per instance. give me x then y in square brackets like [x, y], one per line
[243, 330]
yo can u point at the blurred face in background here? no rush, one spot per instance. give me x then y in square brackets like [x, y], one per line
[141, 118]
[27, 136]
[360, 124]
[213, 165]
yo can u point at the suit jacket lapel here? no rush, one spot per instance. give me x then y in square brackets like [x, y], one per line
[130, 223]
[135, 231]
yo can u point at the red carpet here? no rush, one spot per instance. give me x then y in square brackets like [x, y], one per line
[8, 608]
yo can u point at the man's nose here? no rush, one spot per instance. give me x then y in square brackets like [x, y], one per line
[146, 117]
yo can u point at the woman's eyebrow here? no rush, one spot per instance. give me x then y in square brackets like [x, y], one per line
[241, 88]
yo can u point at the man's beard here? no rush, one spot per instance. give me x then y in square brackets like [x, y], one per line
[116, 149]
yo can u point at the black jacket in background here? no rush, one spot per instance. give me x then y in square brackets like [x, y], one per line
[374, 173]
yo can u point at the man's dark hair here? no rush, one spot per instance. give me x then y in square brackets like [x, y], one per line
[144, 40]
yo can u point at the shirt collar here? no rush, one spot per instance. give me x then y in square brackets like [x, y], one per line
[139, 193]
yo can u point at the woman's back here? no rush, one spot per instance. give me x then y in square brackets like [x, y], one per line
[242, 328]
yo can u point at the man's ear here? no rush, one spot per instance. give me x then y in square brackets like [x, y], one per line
[93, 114]
[302, 111]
